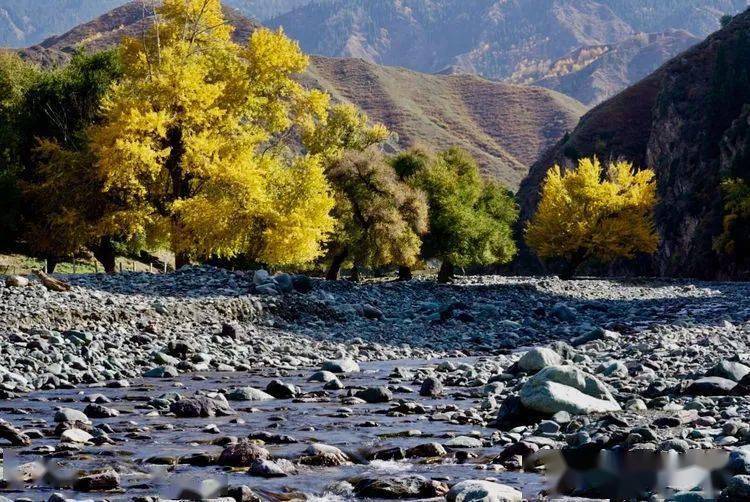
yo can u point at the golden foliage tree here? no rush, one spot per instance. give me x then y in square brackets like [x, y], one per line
[380, 218]
[586, 213]
[188, 139]
[343, 128]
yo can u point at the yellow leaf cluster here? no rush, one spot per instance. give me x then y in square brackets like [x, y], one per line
[187, 135]
[345, 127]
[586, 213]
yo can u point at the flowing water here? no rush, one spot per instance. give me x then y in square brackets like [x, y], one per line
[140, 434]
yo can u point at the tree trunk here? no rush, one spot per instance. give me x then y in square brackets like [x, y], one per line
[105, 253]
[181, 260]
[335, 268]
[355, 277]
[447, 272]
[52, 265]
[572, 265]
[404, 273]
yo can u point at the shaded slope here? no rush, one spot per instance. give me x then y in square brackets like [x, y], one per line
[686, 121]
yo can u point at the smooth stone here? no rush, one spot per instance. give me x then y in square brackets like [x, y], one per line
[464, 442]
[345, 365]
[248, 394]
[566, 388]
[539, 358]
[484, 491]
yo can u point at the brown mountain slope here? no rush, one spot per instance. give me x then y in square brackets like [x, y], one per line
[505, 126]
[687, 122]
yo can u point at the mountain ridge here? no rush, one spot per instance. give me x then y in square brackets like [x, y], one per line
[504, 126]
[508, 40]
[686, 124]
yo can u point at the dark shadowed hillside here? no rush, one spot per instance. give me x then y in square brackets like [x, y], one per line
[687, 122]
[505, 126]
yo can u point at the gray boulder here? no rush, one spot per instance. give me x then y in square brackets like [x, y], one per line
[539, 358]
[484, 491]
[375, 395]
[249, 394]
[344, 365]
[710, 386]
[730, 370]
[431, 387]
[566, 388]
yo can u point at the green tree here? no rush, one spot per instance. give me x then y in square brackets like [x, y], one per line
[57, 109]
[380, 218]
[16, 76]
[470, 219]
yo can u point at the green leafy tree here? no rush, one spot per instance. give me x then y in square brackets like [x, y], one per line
[470, 219]
[63, 202]
[16, 76]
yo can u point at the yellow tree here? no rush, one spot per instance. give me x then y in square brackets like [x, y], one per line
[585, 214]
[188, 140]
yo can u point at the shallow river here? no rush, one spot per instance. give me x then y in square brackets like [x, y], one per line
[139, 436]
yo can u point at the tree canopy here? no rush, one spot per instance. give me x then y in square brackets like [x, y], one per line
[470, 219]
[588, 213]
[186, 141]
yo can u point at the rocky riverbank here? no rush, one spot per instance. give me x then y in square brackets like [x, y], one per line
[289, 385]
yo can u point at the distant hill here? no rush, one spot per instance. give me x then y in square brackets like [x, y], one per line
[28, 22]
[690, 122]
[611, 43]
[519, 41]
[593, 74]
[25, 22]
[505, 126]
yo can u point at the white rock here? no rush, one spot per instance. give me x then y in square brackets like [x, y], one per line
[484, 491]
[16, 281]
[75, 436]
[566, 388]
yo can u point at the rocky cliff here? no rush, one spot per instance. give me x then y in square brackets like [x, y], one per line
[686, 121]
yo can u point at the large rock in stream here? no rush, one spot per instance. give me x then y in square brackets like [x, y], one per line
[566, 388]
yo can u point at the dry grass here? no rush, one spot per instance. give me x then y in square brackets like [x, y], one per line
[506, 127]
[12, 264]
